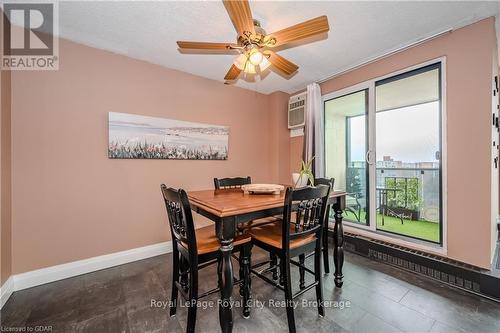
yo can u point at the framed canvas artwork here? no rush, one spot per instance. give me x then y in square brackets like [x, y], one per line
[143, 137]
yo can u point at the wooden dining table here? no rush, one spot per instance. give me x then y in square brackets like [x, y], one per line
[229, 207]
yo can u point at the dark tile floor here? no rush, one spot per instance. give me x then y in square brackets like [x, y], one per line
[375, 298]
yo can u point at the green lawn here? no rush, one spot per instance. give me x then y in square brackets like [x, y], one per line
[419, 229]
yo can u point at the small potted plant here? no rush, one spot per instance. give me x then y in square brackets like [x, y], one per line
[305, 174]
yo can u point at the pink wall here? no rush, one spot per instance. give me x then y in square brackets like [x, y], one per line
[280, 153]
[296, 151]
[5, 174]
[468, 87]
[5, 178]
[70, 201]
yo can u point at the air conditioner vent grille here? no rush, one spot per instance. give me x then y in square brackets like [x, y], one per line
[297, 116]
[297, 108]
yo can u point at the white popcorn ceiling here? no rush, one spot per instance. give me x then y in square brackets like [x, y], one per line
[359, 31]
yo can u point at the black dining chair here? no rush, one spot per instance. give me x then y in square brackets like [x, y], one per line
[297, 235]
[197, 249]
[326, 263]
[238, 182]
[227, 183]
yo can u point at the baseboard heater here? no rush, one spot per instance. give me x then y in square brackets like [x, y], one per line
[451, 272]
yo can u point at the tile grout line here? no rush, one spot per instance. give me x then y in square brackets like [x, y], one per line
[406, 293]
[416, 291]
[403, 305]
[385, 321]
[432, 326]
[413, 291]
[360, 319]
[435, 319]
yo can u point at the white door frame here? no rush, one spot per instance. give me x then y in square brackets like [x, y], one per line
[369, 87]
[370, 230]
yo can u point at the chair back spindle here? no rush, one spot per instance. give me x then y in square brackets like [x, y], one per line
[226, 183]
[180, 218]
[309, 204]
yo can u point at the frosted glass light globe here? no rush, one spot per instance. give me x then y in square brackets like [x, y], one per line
[250, 69]
[256, 58]
[264, 64]
[240, 61]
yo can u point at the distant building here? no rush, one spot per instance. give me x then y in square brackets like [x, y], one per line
[426, 172]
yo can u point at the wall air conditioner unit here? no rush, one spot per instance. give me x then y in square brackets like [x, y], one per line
[297, 111]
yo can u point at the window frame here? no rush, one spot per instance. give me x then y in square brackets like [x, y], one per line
[409, 74]
[370, 229]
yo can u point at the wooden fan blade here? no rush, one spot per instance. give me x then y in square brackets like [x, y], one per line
[232, 74]
[205, 45]
[240, 14]
[281, 63]
[302, 30]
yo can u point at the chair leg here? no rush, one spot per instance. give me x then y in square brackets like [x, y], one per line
[246, 262]
[288, 294]
[175, 278]
[282, 270]
[317, 277]
[191, 325]
[274, 263]
[241, 272]
[184, 267]
[193, 300]
[250, 271]
[326, 262]
[302, 271]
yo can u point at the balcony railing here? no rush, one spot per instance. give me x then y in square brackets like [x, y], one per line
[418, 189]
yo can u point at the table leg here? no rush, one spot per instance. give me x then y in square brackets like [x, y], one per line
[338, 250]
[226, 234]
[326, 263]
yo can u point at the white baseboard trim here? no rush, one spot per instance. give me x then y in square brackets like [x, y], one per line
[64, 271]
[6, 290]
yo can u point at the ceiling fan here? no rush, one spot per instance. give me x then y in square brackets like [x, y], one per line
[255, 45]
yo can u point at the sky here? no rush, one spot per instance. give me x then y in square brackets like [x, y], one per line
[409, 134]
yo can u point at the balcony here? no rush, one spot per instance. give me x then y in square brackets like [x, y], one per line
[407, 200]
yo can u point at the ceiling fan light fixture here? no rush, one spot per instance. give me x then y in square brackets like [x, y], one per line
[240, 61]
[255, 45]
[264, 64]
[249, 68]
[255, 57]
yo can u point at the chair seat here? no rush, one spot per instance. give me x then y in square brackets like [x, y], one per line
[271, 234]
[207, 241]
[259, 222]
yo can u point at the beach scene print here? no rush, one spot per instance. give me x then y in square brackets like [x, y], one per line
[134, 136]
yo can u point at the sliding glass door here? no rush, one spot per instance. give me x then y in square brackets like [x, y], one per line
[346, 144]
[383, 147]
[408, 154]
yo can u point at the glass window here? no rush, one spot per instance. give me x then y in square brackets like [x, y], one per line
[408, 151]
